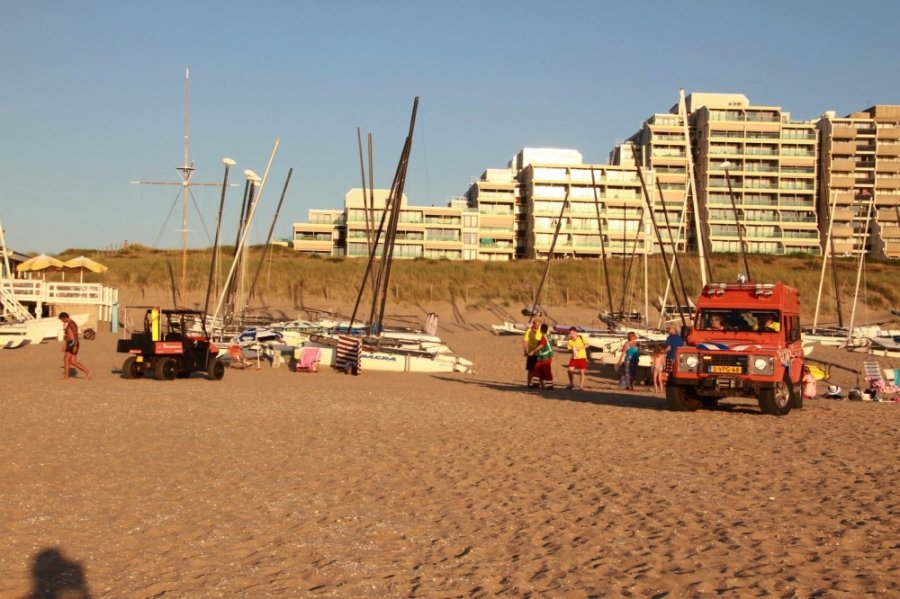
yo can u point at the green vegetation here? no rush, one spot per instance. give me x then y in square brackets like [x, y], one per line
[289, 277]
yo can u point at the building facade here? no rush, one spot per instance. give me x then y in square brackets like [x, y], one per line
[859, 186]
[760, 178]
[755, 169]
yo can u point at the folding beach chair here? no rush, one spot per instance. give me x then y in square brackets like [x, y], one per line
[885, 389]
[309, 359]
[238, 360]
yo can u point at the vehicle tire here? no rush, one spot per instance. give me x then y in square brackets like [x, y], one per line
[166, 369]
[797, 396]
[778, 400]
[89, 334]
[681, 399]
[132, 369]
[216, 369]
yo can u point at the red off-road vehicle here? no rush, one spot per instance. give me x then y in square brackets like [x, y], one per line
[745, 341]
[171, 346]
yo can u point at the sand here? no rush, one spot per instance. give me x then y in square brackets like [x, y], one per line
[273, 483]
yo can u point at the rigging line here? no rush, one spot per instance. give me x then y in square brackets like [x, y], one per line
[200, 215]
[166, 221]
[391, 208]
[675, 260]
[362, 174]
[271, 232]
[369, 214]
[681, 236]
[602, 245]
[562, 210]
[662, 247]
[401, 182]
[370, 264]
[631, 259]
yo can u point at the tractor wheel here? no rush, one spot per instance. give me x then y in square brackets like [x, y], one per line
[216, 369]
[165, 369]
[132, 369]
[777, 401]
[681, 399]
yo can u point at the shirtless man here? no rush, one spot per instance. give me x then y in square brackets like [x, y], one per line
[70, 347]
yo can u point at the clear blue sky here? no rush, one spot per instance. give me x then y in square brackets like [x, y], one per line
[92, 94]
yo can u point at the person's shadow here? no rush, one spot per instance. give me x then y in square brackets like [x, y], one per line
[55, 577]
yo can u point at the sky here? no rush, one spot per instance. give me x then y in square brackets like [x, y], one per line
[92, 96]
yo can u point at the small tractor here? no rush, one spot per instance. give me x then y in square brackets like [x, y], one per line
[171, 346]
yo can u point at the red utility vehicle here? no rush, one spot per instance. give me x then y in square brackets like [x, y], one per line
[169, 347]
[745, 341]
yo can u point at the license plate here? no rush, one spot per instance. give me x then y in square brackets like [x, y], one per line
[725, 369]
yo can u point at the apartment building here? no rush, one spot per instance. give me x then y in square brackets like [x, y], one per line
[422, 231]
[755, 168]
[590, 204]
[759, 175]
[496, 196]
[662, 148]
[859, 184]
[322, 235]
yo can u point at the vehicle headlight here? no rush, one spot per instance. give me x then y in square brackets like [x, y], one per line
[688, 362]
[763, 364]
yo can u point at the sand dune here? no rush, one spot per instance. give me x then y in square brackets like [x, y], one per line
[273, 483]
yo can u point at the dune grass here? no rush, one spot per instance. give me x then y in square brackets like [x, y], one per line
[301, 280]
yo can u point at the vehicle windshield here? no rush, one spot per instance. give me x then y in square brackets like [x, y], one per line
[761, 321]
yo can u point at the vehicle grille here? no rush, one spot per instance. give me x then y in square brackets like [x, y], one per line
[710, 361]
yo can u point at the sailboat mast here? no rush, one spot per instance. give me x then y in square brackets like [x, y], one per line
[186, 171]
[705, 270]
[824, 261]
[602, 245]
[537, 296]
[859, 268]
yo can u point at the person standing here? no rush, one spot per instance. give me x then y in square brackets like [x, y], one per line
[543, 368]
[530, 341]
[673, 342]
[628, 361]
[71, 347]
[658, 366]
[809, 384]
[578, 363]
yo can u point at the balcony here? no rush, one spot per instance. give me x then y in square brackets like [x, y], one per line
[888, 150]
[843, 132]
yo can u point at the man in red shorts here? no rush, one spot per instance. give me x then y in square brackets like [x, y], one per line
[578, 346]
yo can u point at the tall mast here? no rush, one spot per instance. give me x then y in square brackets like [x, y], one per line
[825, 249]
[186, 170]
[692, 180]
[862, 259]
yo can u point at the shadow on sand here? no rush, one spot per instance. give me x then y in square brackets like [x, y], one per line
[55, 577]
[605, 397]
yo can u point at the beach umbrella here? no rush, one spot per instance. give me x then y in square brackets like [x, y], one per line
[40, 262]
[83, 263]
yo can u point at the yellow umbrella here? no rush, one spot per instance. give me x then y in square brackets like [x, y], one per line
[40, 262]
[83, 263]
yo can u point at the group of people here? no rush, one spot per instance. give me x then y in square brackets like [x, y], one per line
[537, 345]
[660, 364]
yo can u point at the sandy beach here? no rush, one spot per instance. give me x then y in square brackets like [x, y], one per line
[272, 483]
